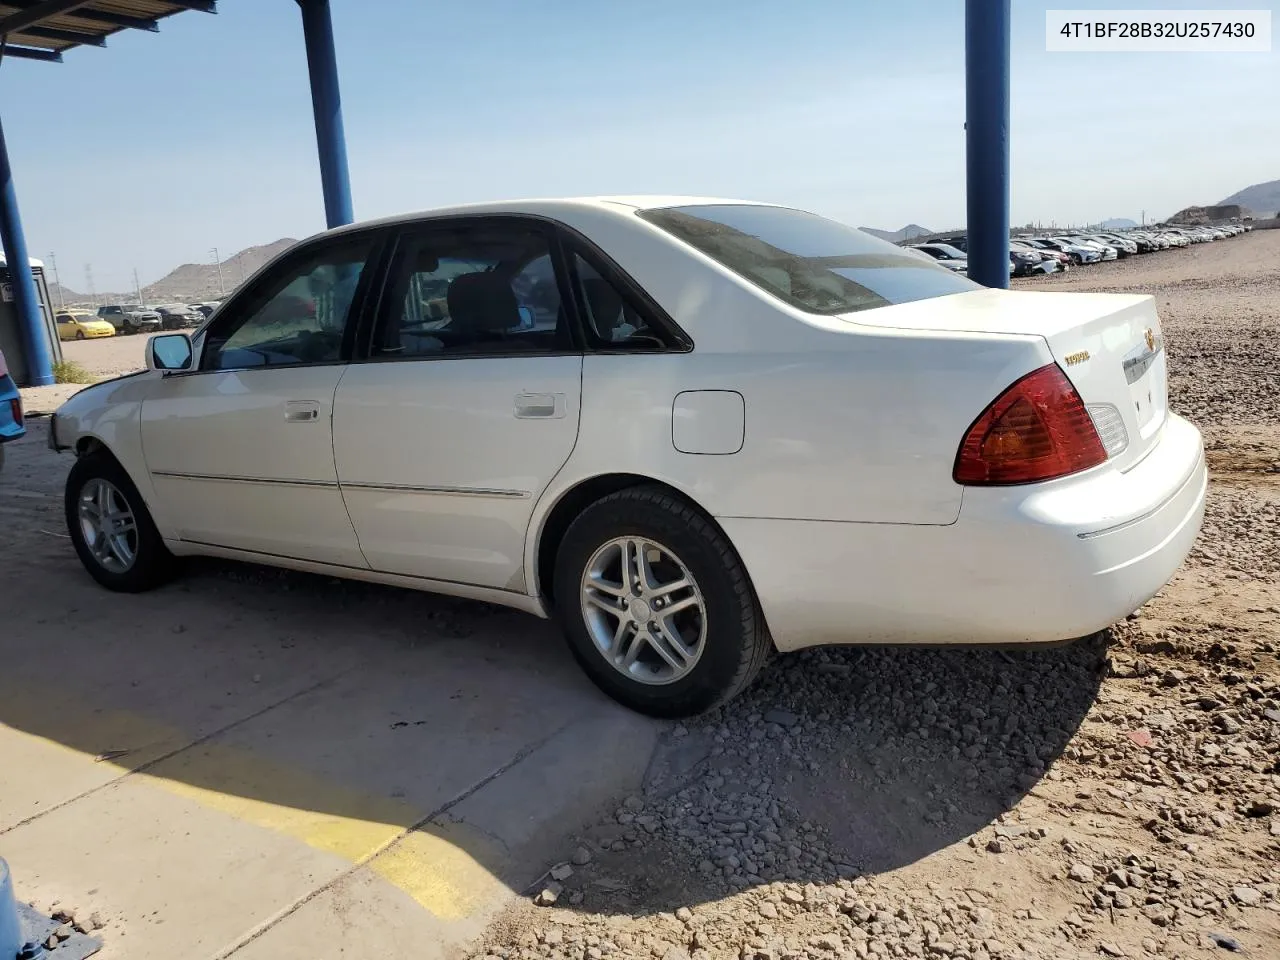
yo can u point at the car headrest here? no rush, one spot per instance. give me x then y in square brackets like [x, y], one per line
[482, 303]
[604, 303]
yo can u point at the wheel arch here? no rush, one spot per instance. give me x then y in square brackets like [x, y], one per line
[89, 444]
[569, 505]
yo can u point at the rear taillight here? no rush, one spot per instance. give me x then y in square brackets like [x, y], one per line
[1036, 430]
[15, 409]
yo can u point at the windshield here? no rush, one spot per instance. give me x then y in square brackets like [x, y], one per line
[945, 251]
[812, 263]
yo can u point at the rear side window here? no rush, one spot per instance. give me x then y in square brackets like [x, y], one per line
[812, 263]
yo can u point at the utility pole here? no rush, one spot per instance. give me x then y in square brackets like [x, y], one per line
[222, 287]
[137, 289]
[53, 262]
[1144, 218]
[88, 279]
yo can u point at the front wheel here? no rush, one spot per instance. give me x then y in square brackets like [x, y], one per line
[110, 528]
[79, 334]
[656, 605]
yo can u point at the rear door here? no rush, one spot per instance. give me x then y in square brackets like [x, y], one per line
[466, 405]
[240, 450]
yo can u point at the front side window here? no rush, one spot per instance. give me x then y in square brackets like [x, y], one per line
[464, 290]
[812, 263]
[299, 315]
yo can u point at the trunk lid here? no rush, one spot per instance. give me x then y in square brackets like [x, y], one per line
[1109, 346]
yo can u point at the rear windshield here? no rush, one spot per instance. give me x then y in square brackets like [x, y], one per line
[816, 264]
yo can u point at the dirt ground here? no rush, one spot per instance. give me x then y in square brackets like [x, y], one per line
[1117, 797]
[101, 359]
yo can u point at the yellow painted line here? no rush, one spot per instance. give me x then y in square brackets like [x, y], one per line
[431, 864]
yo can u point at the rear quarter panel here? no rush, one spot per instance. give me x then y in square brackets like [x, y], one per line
[844, 421]
[865, 430]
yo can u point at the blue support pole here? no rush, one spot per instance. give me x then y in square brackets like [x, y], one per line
[326, 102]
[986, 57]
[34, 335]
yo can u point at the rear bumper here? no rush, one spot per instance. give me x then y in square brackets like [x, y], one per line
[1020, 565]
[10, 428]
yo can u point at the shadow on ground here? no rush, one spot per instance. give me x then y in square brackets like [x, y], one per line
[841, 762]
[354, 717]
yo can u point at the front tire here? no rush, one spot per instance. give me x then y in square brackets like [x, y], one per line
[656, 605]
[111, 529]
[79, 334]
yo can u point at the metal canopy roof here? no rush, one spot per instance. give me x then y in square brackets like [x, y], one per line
[43, 29]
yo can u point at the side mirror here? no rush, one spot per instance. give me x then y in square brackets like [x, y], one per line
[170, 351]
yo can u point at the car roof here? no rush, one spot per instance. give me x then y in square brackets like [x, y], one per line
[549, 207]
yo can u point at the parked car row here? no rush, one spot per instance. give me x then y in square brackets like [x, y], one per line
[1051, 252]
[129, 318]
[1024, 259]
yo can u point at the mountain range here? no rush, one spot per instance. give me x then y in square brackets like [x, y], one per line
[1263, 199]
[197, 282]
[897, 236]
[190, 282]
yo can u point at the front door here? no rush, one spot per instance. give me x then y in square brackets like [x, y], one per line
[466, 407]
[240, 449]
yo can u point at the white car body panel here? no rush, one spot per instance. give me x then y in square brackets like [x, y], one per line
[1090, 335]
[1024, 564]
[442, 460]
[244, 459]
[830, 474]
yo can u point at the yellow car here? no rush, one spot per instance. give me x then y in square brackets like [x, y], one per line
[79, 325]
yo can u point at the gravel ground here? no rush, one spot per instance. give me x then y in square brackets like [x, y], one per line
[1119, 796]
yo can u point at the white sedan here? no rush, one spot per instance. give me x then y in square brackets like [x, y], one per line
[693, 430]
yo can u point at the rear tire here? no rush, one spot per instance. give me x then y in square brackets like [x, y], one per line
[130, 556]
[79, 334]
[707, 621]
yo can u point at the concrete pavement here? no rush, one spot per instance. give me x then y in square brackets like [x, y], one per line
[249, 763]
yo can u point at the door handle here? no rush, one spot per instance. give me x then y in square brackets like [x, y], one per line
[301, 411]
[540, 406]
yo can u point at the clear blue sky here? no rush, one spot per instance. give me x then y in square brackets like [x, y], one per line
[150, 152]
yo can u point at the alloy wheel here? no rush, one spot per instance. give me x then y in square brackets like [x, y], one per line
[108, 525]
[644, 611]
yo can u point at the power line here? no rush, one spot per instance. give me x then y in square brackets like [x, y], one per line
[222, 287]
[53, 262]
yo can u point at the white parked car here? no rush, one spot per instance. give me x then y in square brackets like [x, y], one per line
[693, 430]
